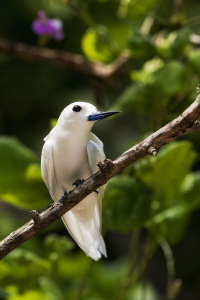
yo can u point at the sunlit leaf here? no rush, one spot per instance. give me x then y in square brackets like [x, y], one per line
[147, 75]
[194, 59]
[140, 292]
[53, 123]
[33, 172]
[96, 45]
[175, 45]
[190, 190]
[29, 295]
[135, 8]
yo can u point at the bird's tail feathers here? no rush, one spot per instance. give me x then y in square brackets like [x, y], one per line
[90, 239]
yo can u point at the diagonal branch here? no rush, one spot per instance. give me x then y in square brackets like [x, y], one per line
[63, 58]
[184, 124]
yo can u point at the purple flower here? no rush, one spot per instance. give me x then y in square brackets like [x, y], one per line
[56, 33]
[43, 26]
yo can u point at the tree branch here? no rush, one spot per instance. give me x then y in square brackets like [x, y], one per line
[185, 123]
[63, 58]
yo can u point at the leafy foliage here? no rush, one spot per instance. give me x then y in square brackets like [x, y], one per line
[126, 204]
[96, 45]
[155, 198]
[20, 176]
[165, 175]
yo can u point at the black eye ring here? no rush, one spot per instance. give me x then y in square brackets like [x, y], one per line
[77, 108]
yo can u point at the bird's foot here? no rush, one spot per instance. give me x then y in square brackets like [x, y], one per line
[51, 205]
[78, 182]
[64, 198]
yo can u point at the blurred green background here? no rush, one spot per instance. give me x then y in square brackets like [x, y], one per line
[151, 215]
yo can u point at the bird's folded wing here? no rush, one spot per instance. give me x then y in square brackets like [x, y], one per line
[96, 154]
[48, 169]
[75, 228]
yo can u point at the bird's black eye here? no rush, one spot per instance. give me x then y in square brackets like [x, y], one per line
[77, 108]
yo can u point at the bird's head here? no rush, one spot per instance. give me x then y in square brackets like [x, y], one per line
[82, 115]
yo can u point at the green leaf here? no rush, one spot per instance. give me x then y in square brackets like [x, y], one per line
[175, 212]
[50, 289]
[133, 97]
[135, 8]
[175, 45]
[20, 176]
[57, 246]
[170, 77]
[171, 223]
[73, 266]
[181, 44]
[147, 75]
[96, 45]
[141, 45]
[164, 174]
[19, 263]
[145, 95]
[108, 276]
[190, 190]
[194, 59]
[53, 122]
[132, 207]
[3, 294]
[29, 295]
[33, 172]
[139, 293]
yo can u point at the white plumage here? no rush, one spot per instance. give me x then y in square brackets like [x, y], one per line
[71, 151]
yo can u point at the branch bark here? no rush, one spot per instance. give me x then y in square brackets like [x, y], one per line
[184, 124]
[63, 58]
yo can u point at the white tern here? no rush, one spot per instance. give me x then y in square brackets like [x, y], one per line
[71, 151]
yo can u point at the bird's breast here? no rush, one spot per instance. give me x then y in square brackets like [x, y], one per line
[71, 162]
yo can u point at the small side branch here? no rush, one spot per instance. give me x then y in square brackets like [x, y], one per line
[63, 58]
[184, 124]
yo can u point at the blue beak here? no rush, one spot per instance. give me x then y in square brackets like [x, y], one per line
[101, 115]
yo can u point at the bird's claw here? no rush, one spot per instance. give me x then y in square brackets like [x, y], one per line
[77, 182]
[62, 199]
[51, 205]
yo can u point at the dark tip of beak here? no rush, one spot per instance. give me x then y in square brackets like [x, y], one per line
[102, 115]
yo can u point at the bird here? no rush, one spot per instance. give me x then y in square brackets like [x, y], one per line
[70, 154]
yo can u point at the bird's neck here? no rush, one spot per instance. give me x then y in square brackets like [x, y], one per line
[74, 129]
[71, 133]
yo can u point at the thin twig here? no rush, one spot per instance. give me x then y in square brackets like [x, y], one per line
[178, 4]
[63, 58]
[185, 123]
